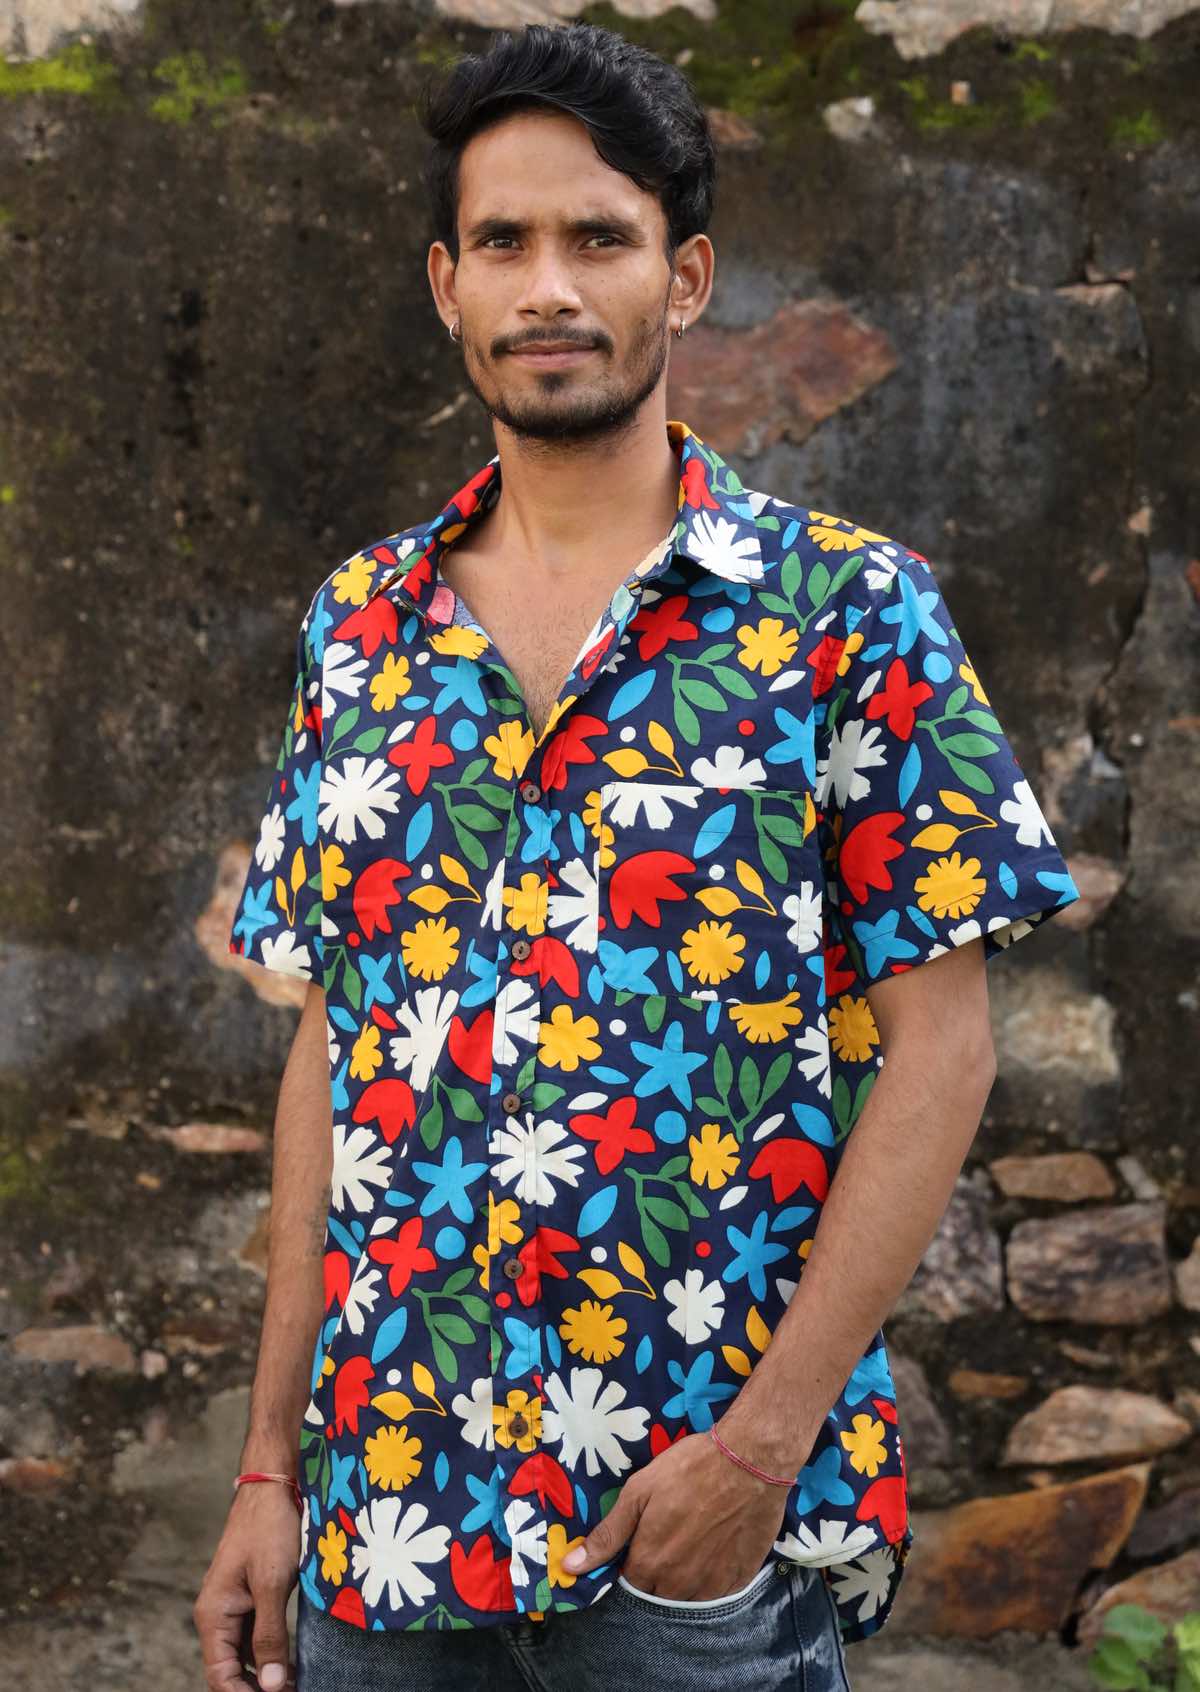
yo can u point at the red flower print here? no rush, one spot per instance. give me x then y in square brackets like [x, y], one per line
[662, 623]
[538, 1256]
[389, 1102]
[350, 1392]
[694, 478]
[791, 1164]
[545, 1475]
[481, 1580]
[837, 976]
[825, 658]
[660, 1439]
[375, 894]
[883, 1501]
[866, 851]
[405, 1255]
[471, 1046]
[594, 654]
[614, 1134]
[337, 1278]
[371, 624]
[421, 753]
[639, 885]
[348, 1607]
[898, 699]
[550, 960]
[463, 503]
[570, 746]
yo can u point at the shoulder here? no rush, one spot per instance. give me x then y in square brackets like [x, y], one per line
[350, 583]
[836, 560]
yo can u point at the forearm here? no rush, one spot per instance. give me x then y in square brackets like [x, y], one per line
[891, 1188]
[294, 1303]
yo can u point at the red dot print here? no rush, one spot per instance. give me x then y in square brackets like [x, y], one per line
[846, 907]
[503, 1299]
[601, 924]
[746, 727]
[354, 939]
[702, 1248]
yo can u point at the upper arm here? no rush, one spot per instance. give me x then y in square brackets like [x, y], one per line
[942, 1005]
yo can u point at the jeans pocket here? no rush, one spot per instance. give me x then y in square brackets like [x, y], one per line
[683, 1607]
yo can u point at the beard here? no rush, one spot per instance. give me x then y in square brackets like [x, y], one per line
[554, 415]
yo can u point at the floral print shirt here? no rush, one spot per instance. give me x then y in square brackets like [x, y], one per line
[598, 1028]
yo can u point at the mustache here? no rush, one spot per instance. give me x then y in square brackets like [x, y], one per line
[514, 343]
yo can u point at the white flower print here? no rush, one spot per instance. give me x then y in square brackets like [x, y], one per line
[475, 1413]
[526, 1538]
[833, 1542]
[342, 672]
[867, 1578]
[1024, 811]
[360, 1299]
[526, 1158]
[270, 839]
[714, 543]
[630, 797]
[390, 1547]
[587, 1420]
[729, 767]
[881, 568]
[580, 906]
[493, 902]
[354, 794]
[804, 913]
[284, 952]
[815, 1041]
[697, 1309]
[853, 747]
[425, 1022]
[518, 1017]
[359, 1163]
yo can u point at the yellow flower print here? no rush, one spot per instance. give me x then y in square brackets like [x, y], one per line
[366, 1056]
[967, 672]
[770, 1019]
[830, 539]
[603, 834]
[391, 1458]
[865, 1445]
[392, 683]
[852, 644]
[566, 1039]
[712, 951]
[504, 1228]
[767, 646]
[529, 1409]
[352, 583]
[332, 1546]
[526, 905]
[593, 1330]
[457, 642]
[510, 747]
[430, 949]
[333, 872]
[852, 1031]
[557, 1545]
[714, 1156]
[951, 886]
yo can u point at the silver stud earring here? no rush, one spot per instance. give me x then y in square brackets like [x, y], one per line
[681, 328]
[457, 324]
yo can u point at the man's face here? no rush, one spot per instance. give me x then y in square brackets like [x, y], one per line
[558, 250]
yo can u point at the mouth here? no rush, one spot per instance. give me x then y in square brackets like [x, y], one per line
[550, 358]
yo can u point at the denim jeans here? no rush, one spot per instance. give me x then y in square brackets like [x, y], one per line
[780, 1631]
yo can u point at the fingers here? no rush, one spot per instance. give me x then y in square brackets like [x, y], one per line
[220, 1630]
[270, 1639]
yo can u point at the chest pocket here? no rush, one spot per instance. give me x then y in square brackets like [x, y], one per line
[707, 893]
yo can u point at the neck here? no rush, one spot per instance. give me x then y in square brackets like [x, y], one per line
[552, 492]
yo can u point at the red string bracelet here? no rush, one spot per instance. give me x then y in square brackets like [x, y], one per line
[285, 1480]
[777, 1480]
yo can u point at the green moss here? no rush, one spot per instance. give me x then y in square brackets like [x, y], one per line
[78, 69]
[1143, 129]
[1034, 50]
[193, 82]
[8, 493]
[1037, 102]
[931, 115]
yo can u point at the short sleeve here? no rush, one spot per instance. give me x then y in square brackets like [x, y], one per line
[277, 922]
[933, 834]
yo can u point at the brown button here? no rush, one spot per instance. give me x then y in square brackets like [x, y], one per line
[510, 1104]
[518, 1427]
[521, 950]
[513, 1267]
[530, 792]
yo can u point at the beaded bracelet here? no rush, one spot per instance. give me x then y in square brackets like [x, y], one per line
[285, 1480]
[777, 1480]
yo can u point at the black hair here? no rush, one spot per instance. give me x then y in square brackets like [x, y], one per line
[642, 113]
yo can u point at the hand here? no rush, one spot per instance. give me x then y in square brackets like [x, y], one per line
[240, 1611]
[700, 1525]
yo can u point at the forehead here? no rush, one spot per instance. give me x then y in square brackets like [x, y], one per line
[541, 167]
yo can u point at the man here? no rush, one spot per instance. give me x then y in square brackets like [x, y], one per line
[625, 819]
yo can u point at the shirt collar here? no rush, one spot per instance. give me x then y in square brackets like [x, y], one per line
[716, 527]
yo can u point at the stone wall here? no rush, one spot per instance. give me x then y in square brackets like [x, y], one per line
[957, 299]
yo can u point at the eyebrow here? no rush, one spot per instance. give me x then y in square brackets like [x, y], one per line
[594, 224]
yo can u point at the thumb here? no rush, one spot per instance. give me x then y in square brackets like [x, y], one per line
[270, 1642]
[607, 1537]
